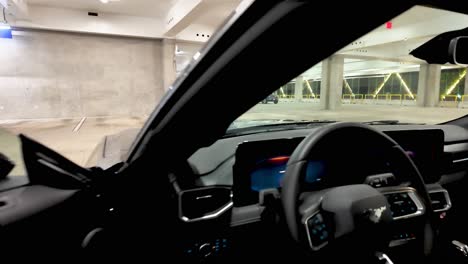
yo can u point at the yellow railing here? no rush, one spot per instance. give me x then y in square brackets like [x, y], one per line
[359, 97]
[353, 98]
[393, 97]
[369, 97]
[286, 96]
[308, 96]
[463, 97]
[408, 97]
[449, 98]
[382, 97]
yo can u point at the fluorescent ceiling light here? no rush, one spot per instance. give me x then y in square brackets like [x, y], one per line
[4, 26]
[108, 1]
[411, 66]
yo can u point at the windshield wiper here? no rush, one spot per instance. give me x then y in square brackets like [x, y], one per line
[303, 124]
[389, 122]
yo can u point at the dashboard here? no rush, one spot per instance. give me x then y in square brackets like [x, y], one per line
[213, 165]
[254, 164]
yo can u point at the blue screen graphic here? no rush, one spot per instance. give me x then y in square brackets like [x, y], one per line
[269, 173]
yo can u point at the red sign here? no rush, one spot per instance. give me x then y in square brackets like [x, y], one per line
[388, 25]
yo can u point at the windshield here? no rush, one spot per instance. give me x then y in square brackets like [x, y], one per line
[374, 78]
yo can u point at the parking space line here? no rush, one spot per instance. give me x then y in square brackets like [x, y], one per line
[78, 126]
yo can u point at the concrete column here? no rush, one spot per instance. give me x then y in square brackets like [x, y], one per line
[168, 63]
[428, 85]
[332, 82]
[298, 87]
[466, 84]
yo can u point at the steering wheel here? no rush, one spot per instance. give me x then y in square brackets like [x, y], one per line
[355, 217]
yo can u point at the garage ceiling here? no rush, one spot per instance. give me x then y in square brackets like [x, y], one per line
[215, 14]
[146, 8]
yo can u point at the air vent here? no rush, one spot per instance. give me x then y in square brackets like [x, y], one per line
[455, 162]
[440, 200]
[204, 203]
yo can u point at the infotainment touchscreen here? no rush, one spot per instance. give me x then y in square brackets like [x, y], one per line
[426, 149]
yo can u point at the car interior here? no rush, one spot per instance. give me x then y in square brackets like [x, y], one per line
[377, 192]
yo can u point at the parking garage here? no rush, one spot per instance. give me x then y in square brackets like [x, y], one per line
[73, 72]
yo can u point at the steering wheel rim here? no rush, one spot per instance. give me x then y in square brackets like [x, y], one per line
[295, 173]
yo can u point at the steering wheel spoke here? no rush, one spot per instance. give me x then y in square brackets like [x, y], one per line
[404, 202]
[317, 223]
[318, 229]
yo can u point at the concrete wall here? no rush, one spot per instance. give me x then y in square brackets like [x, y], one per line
[47, 74]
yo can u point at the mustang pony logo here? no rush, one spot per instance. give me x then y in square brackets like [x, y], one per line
[376, 214]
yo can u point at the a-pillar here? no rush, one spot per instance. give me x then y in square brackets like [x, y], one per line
[331, 85]
[428, 85]
[168, 63]
[298, 87]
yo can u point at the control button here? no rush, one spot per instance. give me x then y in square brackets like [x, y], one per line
[325, 234]
[318, 219]
[401, 204]
[318, 232]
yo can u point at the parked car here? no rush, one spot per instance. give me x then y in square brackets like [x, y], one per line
[270, 98]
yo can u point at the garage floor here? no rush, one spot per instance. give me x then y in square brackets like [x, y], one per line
[355, 112]
[75, 145]
[78, 145]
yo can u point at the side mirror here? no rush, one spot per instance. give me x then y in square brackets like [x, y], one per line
[204, 203]
[458, 51]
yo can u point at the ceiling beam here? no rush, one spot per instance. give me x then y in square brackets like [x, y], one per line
[425, 29]
[75, 20]
[181, 15]
[408, 59]
[393, 50]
